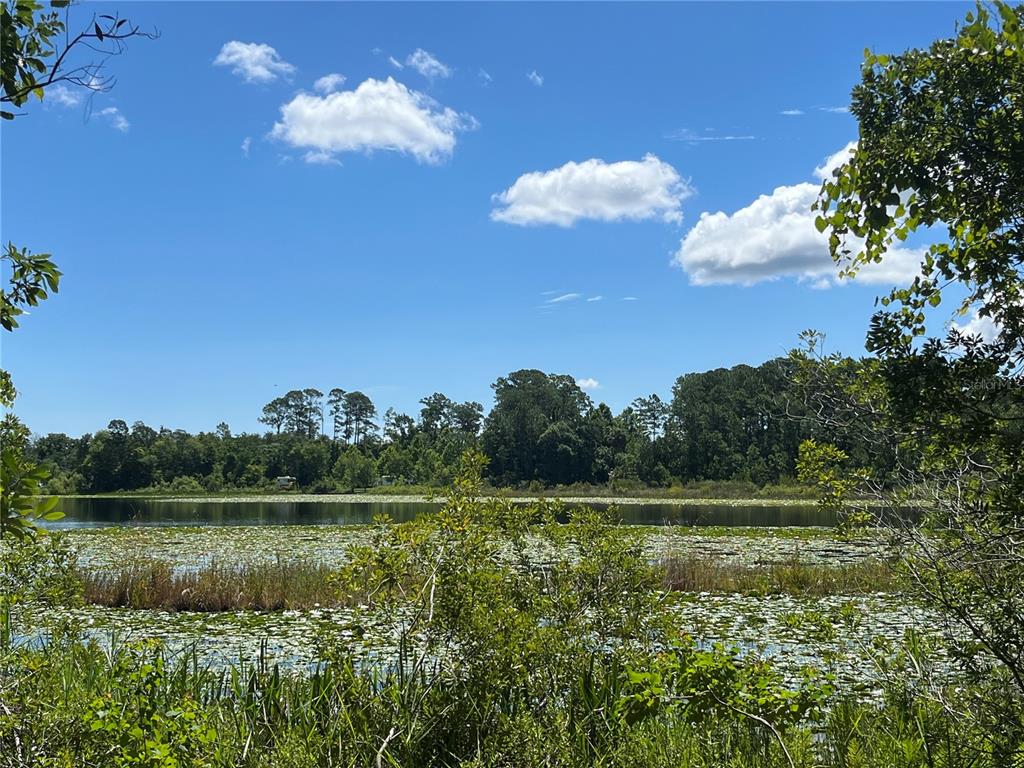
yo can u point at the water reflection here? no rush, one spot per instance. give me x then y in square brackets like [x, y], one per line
[86, 513]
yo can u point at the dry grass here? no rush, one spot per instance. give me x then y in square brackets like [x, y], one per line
[282, 585]
[701, 574]
[216, 587]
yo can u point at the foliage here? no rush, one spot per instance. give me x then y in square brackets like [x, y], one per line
[941, 147]
[37, 52]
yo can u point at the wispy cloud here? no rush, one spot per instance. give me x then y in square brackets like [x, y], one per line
[117, 121]
[834, 110]
[484, 76]
[62, 95]
[595, 298]
[692, 137]
[629, 298]
[791, 112]
[395, 63]
[253, 62]
[320, 157]
[536, 78]
[564, 297]
[428, 65]
[246, 144]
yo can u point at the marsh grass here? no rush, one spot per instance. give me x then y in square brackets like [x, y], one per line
[216, 586]
[302, 585]
[702, 574]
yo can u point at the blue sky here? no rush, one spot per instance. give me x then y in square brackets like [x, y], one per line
[229, 230]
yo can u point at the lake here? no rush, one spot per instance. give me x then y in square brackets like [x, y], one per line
[98, 512]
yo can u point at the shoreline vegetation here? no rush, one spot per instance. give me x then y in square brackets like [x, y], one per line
[286, 585]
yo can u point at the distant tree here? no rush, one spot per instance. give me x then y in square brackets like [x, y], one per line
[436, 414]
[224, 431]
[336, 407]
[535, 430]
[275, 414]
[468, 417]
[312, 412]
[398, 427]
[651, 414]
[360, 413]
[355, 469]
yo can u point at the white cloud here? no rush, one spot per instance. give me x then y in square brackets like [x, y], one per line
[692, 137]
[253, 62]
[427, 64]
[329, 83]
[535, 78]
[595, 298]
[319, 157]
[835, 110]
[791, 112]
[629, 298]
[395, 63]
[775, 237]
[833, 161]
[594, 189]
[62, 95]
[246, 144]
[117, 121]
[587, 384]
[564, 297]
[378, 114]
[484, 76]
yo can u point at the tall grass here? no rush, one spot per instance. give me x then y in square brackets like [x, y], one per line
[283, 585]
[72, 704]
[216, 586]
[703, 574]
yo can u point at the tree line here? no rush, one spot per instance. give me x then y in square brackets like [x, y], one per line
[741, 423]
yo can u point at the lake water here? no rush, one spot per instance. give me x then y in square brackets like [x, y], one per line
[95, 512]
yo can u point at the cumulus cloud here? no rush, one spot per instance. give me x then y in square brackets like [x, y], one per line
[833, 161]
[594, 189]
[329, 83]
[378, 114]
[587, 384]
[536, 78]
[253, 62]
[117, 121]
[427, 65]
[775, 237]
[246, 144]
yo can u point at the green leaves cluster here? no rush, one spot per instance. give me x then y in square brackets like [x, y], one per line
[20, 502]
[941, 147]
[27, 43]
